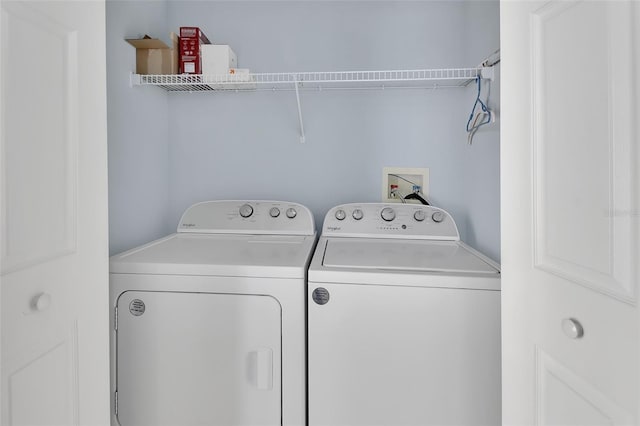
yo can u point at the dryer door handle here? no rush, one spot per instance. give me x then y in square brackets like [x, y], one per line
[262, 366]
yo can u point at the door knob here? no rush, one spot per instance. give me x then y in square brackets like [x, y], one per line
[572, 328]
[41, 302]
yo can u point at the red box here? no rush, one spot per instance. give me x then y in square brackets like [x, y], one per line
[190, 40]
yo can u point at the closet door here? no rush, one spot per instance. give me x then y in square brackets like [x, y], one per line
[53, 214]
[570, 212]
[198, 359]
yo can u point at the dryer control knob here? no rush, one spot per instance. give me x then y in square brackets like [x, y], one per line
[246, 210]
[274, 212]
[420, 215]
[437, 216]
[357, 214]
[340, 214]
[291, 213]
[388, 214]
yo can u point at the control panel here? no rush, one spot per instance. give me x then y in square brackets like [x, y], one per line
[382, 220]
[248, 217]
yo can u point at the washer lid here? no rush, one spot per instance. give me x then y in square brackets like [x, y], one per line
[404, 255]
[275, 256]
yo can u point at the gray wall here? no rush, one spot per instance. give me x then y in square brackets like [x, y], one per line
[245, 145]
[138, 127]
[481, 161]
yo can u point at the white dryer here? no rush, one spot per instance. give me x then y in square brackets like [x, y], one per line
[403, 321]
[209, 322]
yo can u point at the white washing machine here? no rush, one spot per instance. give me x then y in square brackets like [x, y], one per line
[403, 321]
[209, 322]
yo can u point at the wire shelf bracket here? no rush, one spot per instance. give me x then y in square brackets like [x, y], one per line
[487, 73]
[302, 137]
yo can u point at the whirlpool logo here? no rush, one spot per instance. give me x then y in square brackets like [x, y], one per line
[333, 228]
[188, 225]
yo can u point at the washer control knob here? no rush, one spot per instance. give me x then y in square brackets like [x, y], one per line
[274, 212]
[388, 214]
[437, 216]
[420, 215]
[340, 214]
[291, 213]
[357, 214]
[246, 210]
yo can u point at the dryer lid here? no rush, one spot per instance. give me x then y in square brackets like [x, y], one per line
[404, 255]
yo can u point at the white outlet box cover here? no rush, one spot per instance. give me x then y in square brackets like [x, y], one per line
[405, 178]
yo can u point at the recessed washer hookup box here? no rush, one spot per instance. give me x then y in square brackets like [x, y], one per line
[191, 38]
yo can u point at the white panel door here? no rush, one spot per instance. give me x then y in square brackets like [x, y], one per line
[53, 214]
[570, 212]
[198, 359]
[394, 355]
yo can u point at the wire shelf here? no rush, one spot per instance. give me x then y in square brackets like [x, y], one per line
[331, 80]
[426, 78]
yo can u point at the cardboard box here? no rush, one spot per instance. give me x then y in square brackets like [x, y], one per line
[191, 38]
[218, 59]
[234, 79]
[153, 56]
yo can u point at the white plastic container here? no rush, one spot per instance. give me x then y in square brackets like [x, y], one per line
[217, 59]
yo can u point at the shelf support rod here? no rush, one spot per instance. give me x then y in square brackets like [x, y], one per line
[302, 137]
